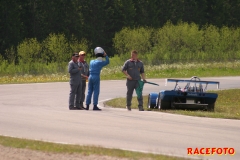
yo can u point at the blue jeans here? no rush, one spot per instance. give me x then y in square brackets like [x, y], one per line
[93, 88]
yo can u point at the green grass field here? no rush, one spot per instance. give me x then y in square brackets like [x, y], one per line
[83, 150]
[113, 71]
[34, 78]
[227, 105]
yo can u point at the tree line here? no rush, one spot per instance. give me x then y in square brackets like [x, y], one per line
[98, 21]
[183, 42]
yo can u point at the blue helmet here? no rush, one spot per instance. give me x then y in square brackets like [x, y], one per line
[99, 52]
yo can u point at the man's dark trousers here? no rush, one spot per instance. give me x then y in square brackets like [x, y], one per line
[75, 93]
[131, 85]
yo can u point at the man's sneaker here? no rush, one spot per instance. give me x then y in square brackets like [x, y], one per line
[95, 108]
[128, 108]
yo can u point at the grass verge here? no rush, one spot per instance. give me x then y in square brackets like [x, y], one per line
[84, 150]
[214, 69]
[180, 70]
[226, 106]
[10, 79]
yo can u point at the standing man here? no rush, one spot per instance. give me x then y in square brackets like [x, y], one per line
[75, 82]
[94, 78]
[133, 68]
[84, 73]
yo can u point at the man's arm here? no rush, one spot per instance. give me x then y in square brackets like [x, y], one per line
[124, 70]
[143, 77]
[71, 68]
[142, 73]
[106, 62]
[127, 75]
[82, 71]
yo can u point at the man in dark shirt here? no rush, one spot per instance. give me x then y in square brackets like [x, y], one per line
[134, 70]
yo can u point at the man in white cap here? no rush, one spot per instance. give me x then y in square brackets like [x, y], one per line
[94, 77]
[84, 73]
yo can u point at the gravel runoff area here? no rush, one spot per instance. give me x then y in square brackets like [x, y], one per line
[9, 153]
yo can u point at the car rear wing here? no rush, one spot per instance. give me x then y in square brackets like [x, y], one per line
[192, 81]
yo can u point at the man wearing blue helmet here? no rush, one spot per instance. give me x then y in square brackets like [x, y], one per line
[94, 77]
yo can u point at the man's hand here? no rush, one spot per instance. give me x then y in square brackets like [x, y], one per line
[80, 68]
[129, 77]
[143, 77]
[105, 54]
[84, 76]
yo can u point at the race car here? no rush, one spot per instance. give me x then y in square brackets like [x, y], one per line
[192, 96]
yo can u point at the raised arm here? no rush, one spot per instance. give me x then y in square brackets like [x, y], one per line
[106, 62]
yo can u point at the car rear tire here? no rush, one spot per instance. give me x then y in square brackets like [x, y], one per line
[150, 106]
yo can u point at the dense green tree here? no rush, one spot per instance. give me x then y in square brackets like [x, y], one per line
[98, 21]
[11, 26]
[234, 13]
[119, 14]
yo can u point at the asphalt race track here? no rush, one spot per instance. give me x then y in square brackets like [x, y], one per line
[40, 111]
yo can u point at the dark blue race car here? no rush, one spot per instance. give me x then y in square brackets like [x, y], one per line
[192, 96]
